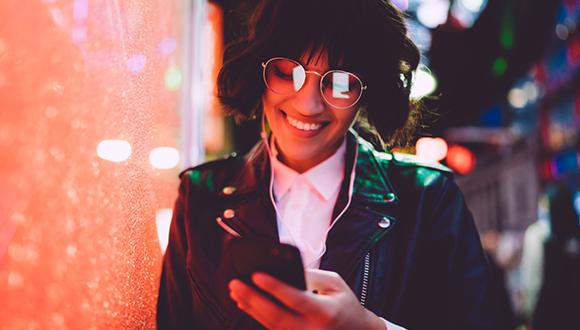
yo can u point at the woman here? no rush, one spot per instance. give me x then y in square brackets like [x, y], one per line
[387, 242]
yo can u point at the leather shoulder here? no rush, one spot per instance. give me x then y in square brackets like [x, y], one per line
[408, 160]
[211, 174]
[400, 159]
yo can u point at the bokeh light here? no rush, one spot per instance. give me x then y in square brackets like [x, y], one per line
[136, 63]
[532, 91]
[433, 13]
[460, 159]
[499, 66]
[431, 149]
[424, 83]
[164, 158]
[517, 98]
[173, 78]
[403, 5]
[473, 5]
[114, 150]
[562, 31]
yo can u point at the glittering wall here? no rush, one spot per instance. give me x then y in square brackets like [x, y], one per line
[89, 92]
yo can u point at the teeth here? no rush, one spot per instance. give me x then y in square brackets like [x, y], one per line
[301, 125]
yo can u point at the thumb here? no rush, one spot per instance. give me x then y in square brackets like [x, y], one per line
[324, 281]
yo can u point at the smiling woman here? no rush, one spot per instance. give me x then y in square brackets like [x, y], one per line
[308, 128]
[386, 241]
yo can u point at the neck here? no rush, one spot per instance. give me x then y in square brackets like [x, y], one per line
[303, 165]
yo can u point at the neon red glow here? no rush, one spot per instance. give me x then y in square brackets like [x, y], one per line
[460, 159]
[78, 240]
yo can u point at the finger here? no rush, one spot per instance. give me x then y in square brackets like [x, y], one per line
[241, 292]
[300, 301]
[261, 308]
[323, 281]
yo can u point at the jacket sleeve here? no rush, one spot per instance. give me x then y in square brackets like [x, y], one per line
[471, 303]
[174, 304]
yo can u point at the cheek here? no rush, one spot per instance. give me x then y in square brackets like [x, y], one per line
[346, 118]
[270, 102]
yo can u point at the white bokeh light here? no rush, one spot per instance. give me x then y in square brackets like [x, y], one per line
[163, 222]
[433, 13]
[114, 150]
[403, 5]
[517, 98]
[473, 5]
[164, 158]
[577, 205]
[423, 83]
[532, 91]
[431, 149]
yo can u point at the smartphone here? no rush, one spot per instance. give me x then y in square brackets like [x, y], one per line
[279, 260]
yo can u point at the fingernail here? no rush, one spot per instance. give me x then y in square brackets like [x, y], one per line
[233, 285]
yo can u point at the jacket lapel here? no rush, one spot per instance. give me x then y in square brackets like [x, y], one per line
[370, 215]
[247, 206]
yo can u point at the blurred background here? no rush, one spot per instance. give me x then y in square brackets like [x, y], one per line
[103, 103]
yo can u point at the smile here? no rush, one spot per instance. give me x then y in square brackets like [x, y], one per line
[303, 126]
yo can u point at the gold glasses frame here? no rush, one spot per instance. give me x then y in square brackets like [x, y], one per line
[316, 73]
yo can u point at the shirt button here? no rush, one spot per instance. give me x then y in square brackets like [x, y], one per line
[228, 190]
[385, 222]
[390, 197]
[229, 213]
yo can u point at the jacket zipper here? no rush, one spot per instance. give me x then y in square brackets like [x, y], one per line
[365, 280]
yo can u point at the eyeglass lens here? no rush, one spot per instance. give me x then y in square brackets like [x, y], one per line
[340, 89]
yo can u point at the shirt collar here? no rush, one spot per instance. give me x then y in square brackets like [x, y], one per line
[325, 178]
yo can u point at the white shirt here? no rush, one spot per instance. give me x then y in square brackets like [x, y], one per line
[304, 205]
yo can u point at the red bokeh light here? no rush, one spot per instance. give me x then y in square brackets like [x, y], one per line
[460, 159]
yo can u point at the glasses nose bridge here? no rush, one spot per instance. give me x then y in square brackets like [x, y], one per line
[316, 73]
[310, 98]
[317, 83]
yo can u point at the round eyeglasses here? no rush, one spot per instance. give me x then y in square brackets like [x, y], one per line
[340, 89]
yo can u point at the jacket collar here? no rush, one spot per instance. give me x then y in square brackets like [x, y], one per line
[254, 214]
[371, 182]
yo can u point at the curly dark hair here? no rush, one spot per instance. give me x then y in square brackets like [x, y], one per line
[368, 37]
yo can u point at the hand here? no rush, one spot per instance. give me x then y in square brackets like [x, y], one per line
[334, 306]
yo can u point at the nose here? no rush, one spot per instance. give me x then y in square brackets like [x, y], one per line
[308, 101]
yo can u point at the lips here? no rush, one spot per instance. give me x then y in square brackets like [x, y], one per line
[303, 126]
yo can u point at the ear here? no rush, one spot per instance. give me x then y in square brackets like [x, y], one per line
[264, 123]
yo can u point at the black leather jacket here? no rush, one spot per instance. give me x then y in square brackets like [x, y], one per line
[407, 240]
